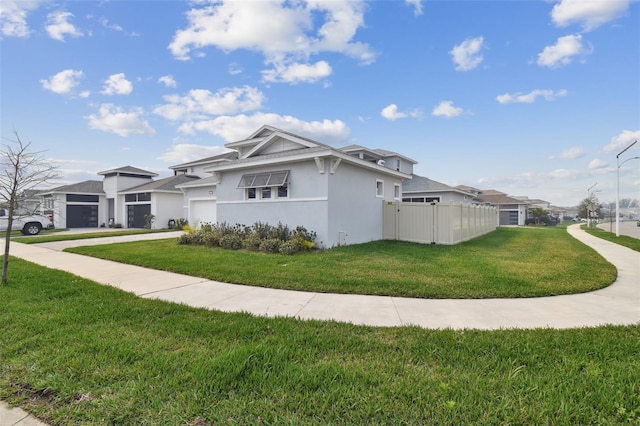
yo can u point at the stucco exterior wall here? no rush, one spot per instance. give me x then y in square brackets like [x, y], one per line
[165, 206]
[355, 210]
[306, 204]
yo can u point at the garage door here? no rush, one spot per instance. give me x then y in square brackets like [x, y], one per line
[82, 216]
[201, 211]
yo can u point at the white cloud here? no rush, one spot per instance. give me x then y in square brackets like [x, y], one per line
[13, 17]
[569, 154]
[390, 112]
[297, 73]
[117, 84]
[114, 119]
[597, 164]
[199, 104]
[233, 128]
[563, 52]
[466, 55]
[447, 110]
[589, 14]
[623, 140]
[183, 153]
[59, 26]
[417, 6]
[530, 97]
[564, 174]
[168, 81]
[284, 33]
[63, 82]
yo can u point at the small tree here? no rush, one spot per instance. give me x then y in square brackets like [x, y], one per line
[538, 213]
[589, 208]
[21, 170]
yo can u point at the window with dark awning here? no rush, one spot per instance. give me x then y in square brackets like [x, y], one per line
[260, 180]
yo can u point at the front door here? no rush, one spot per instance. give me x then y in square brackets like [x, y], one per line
[136, 214]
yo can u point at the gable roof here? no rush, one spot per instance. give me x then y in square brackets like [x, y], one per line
[130, 170]
[225, 156]
[266, 136]
[162, 185]
[86, 187]
[254, 151]
[424, 184]
[497, 197]
[374, 154]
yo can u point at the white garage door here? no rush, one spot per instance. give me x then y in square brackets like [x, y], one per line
[201, 211]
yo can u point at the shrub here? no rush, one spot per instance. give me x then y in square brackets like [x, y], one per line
[270, 245]
[231, 242]
[258, 237]
[252, 242]
[289, 247]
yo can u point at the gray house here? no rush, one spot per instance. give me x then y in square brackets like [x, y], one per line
[420, 189]
[275, 176]
[125, 196]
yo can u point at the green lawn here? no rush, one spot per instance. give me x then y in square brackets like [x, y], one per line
[77, 353]
[510, 262]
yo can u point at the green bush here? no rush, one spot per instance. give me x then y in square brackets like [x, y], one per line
[258, 237]
[270, 245]
[231, 242]
[252, 242]
[289, 247]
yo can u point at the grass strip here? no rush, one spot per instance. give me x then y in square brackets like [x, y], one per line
[77, 353]
[510, 262]
[89, 235]
[623, 240]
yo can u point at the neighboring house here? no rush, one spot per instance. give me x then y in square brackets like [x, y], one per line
[275, 177]
[124, 197]
[159, 198]
[511, 211]
[77, 205]
[420, 189]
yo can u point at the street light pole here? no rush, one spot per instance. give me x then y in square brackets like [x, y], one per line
[618, 186]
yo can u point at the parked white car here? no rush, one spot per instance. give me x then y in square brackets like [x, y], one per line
[28, 225]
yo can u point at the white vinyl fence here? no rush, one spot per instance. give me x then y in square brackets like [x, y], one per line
[437, 223]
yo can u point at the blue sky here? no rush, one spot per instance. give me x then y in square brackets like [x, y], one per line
[532, 98]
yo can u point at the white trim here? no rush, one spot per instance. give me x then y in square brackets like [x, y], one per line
[277, 200]
[397, 191]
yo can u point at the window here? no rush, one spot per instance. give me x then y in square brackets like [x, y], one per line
[142, 196]
[379, 188]
[77, 198]
[265, 186]
[421, 200]
[396, 191]
[258, 180]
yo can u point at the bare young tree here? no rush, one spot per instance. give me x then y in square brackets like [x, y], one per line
[21, 170]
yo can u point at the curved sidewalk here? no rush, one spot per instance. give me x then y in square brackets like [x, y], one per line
[617, 304]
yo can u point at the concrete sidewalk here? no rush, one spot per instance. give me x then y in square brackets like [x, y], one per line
[616, 304]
